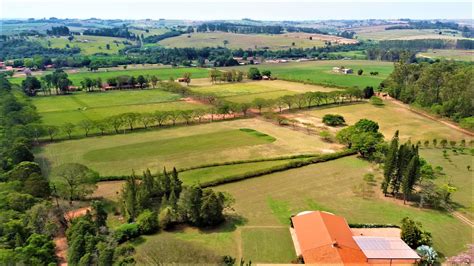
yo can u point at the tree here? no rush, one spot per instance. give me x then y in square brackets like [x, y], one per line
[411, 176]
[427, 254]
[368, 92]
[267, 73]
[254, 74]
[68, 128]
[116, 122]
[141, 80]
[102, 126]
[333, 120]
[130, 119]
[166, 217]
[211, 209]
[86, 125]
[147, 222]
[154, 80]
[360, 71]
[187, 77]
[37, 251]
[75, 181]
[390, 163]
[52, 131]
[31, 85]
[444, 143]
[99, 213]
[129, 197]
[413, 234]
[20, 152]
[259, 103]
[146, 119]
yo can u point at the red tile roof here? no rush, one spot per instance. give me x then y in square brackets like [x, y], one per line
[325, 238]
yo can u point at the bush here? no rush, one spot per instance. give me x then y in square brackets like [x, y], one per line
[359, 225]
[147, 222]
[126, 232]
[376, 101]
[467, 123]
[333, 120]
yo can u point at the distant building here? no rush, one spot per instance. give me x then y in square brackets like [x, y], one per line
[323, 238]
[343, 70]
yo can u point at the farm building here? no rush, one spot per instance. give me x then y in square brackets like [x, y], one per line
[343, 70]
[324, 238]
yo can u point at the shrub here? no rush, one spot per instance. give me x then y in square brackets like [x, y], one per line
[147, 222]
[326, 136]
[376, 101]
[333, 120]
[467, 123]
[126, 232]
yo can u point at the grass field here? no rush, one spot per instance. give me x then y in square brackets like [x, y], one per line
[455, 168]
[379, 34]
[269, 245]
[267, 201]
[320, 72]
[163, 73]
[248, 91]
[102, 153]
[259, 229]
[449, 54]
[251, 41]
[58, 110]
[390, 118]
[89, 45]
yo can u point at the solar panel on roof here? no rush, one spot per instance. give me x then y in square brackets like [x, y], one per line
[385, 248]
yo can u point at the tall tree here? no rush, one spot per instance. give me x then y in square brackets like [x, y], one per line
[390, 163]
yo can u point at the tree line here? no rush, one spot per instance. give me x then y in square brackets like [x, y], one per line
[119, 32]
[28, 221]
[443, 87]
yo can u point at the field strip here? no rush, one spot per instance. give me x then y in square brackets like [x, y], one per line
[451, 125]
[115, 105]
[252, 93]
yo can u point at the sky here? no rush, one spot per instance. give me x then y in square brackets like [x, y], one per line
[237, 9]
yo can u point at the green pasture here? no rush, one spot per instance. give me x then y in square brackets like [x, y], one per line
[183, 146]
[246, 92]
[320, 72]
[163, 73]
[89, 45]
[61, 109]
[267, 244]
[267, 200]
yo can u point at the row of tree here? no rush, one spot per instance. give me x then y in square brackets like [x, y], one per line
[58, 80]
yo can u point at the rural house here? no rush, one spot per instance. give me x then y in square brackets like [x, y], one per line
[342, 70]
[324, 238]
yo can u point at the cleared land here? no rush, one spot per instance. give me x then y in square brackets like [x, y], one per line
[390, 117]
[459, 55]
[252, 41]
[89, 45]
[221, 147]
[249, 90]
[455, 168]
[320, 72]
